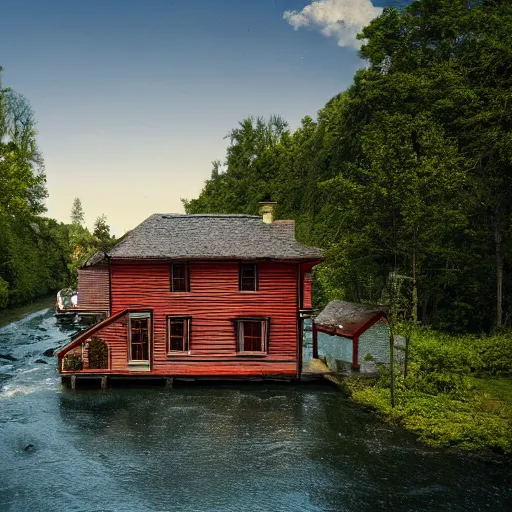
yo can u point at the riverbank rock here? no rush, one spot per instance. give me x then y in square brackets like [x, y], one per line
[50, 352]
[41, 361]
[7, 357]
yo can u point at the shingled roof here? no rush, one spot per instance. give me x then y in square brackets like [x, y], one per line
[241, 237]
[347, 318]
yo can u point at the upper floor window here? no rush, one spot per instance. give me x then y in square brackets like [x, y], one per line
[178, 334]
[179, 277]
[248, 277]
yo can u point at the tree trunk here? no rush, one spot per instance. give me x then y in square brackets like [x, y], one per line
[414, 289]
[498, 238]
[392, 362]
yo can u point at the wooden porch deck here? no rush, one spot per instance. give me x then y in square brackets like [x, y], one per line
[315, 370]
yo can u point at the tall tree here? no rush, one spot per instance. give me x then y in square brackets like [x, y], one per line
[408, 171]
[23, 183]
[102, 232]
[77, 212]
[462, 53]
[33, 249]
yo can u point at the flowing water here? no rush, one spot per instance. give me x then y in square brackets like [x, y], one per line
[236, 447]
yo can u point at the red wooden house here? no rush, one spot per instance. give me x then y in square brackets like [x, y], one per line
[201, 296]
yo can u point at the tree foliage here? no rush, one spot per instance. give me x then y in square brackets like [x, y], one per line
[82, 243]
[77, 212]
[102, 233]
[33, 249]
[408, 172]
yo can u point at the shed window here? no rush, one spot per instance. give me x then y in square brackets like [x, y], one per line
[178, 334]
[179, 277]
[252, 335]
[248, 277]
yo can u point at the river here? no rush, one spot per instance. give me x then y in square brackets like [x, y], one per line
[237, 447]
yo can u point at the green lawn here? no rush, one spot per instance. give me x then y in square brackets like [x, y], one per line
[480, 420]
[499, 389]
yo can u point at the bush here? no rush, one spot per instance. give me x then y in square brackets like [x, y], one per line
[4, 293]
[440, 420]
[98, 354]
[439, 401]
[495, 353]
[438, 352]
[72, 363]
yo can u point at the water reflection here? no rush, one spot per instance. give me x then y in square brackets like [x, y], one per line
[288, 448]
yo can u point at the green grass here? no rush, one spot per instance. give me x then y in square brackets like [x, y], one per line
[439, 420]
[499, 389]
[457, 393]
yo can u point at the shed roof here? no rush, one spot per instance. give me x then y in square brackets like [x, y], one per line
[244, 237]
[347, 318]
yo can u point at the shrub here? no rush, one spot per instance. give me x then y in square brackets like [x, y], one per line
[72, 362]
[98, 353]
[495, 353]
[4, 293]
[435, 351]
[439, 401]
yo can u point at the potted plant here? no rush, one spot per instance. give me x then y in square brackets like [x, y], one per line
[72, 363]
[368, 365]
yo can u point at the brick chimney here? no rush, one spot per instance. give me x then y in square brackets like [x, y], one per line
[267, 211]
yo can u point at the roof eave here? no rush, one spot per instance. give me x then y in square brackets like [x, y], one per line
[307, 259]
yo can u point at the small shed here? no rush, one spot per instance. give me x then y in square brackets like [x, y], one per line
[348, 331]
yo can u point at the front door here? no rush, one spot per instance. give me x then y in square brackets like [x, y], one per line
[140, 339]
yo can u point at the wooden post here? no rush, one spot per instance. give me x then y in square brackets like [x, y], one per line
[73, 382]
[355, 352]
[315, 339]
[406, 355]
[104, 382]
[392, 363]
[169, 382]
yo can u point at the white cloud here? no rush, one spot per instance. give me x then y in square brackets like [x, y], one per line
[341, 19]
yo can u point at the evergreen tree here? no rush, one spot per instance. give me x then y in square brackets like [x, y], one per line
[102, 233]
[77, 212]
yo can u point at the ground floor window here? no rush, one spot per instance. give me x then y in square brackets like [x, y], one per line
[178, 334]
[139, 336]
[252, 335]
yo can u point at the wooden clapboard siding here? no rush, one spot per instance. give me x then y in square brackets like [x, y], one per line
[93, 288]
[116, 336]
[214, 299]
[307, 290]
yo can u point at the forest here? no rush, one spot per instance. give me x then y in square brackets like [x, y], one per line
[38, 255]
[404, 177]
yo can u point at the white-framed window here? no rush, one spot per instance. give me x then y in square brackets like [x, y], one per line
[178, 334]
[139, 335]
[252, 335]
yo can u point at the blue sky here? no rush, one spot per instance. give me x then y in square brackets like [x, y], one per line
[133, 99]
